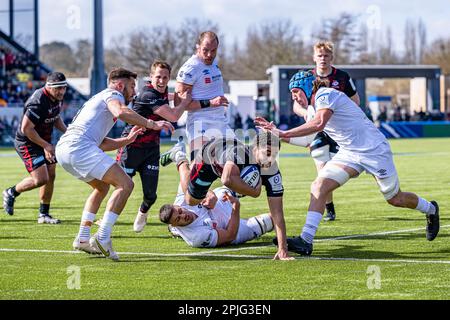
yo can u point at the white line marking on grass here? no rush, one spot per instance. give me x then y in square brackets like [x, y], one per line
[198, 254]
[218, 253]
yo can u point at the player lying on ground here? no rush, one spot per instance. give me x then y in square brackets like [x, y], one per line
[215, 222]
[362, 148]
[225, 158]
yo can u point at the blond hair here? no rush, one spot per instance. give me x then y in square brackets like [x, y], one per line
[325, 45]
[160, 64]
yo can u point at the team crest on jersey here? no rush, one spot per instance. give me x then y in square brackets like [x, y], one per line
[335, 84]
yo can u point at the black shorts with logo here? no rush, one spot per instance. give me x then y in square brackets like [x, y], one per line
[32, 155]
[142, 160]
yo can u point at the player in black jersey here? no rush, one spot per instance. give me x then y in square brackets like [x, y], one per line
[33, 144]
[224, 158]
[323, 148]
[143, 155]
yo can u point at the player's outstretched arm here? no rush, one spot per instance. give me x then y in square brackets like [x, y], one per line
[173, 114]
[277, 215]
[129, 116]
[231, 179]
[229, 234]
[109, 144]
[182, 88]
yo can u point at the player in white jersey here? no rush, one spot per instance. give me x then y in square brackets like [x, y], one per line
[214, 223]
[81, 152]
[202, 77]
[362, 148]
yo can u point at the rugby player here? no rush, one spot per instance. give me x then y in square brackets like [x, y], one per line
[33, 143]
[143, 154]
[201, 76]
[215, 222]
[322, 147]
[81, 152]
[224, 158]
[362, 148]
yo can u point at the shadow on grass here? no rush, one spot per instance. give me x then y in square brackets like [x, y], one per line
[365, 252]
[387, 237]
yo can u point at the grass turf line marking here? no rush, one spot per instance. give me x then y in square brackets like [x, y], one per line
[242, 256]
[217, 253]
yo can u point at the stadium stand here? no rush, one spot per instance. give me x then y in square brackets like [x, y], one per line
[20, 75]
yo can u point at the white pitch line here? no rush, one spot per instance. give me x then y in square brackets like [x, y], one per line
[241, 256]
[218, 253]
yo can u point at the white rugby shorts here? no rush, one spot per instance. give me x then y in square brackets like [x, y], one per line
[379, 162]
[83, 160]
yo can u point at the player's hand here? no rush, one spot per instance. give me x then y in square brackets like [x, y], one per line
[263, 124]
[163, 125]
[282, 254]
[49, 152]
[219, 101]
[234, 201]
[135, 131]
[210, 201]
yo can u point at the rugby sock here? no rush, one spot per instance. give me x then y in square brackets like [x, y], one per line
[144, 207]
[44, 208]
[312, 223]
[108, 221]
[12, 191]
[85, 230]
[330, 207]
[425, 207]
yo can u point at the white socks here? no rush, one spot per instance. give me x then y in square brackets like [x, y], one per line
[312, 223]
[108, 221]
[85, 231]
[425, 207]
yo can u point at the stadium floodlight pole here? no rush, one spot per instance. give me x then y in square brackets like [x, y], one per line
[36, 29]
[98, 76]
[11, 19]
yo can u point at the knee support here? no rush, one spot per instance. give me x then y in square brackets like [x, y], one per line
[389, 187]
[261, 224]
[334, 173]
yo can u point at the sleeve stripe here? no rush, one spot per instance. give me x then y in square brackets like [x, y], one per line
[34, 114]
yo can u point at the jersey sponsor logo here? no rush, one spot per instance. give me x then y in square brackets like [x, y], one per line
[382, 172]
[153, 168]
[51, 120]
[206, 72]
[335, 84]
[208, 80]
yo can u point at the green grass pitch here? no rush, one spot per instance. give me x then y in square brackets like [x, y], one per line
[372, 250]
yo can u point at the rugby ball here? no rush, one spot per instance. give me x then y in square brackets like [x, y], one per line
[251, 176]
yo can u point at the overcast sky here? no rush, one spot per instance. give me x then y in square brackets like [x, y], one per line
[68, 20]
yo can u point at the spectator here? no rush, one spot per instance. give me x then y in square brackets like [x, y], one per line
[238, 121]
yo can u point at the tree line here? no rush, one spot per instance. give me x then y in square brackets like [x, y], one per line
[269, 43]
